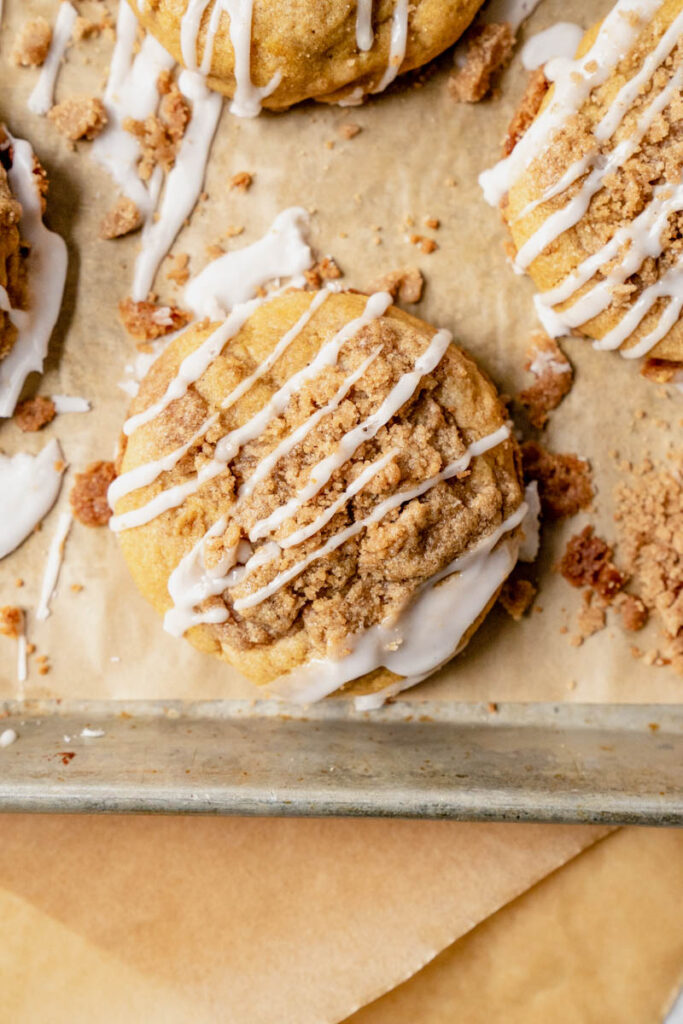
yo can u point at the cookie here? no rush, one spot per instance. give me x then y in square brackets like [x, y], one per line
[592, 189]
[322, 490]
[260, 53]
[33, 263]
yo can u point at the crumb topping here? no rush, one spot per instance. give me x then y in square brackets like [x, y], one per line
[147, 321]
[32, 43]
[554, 378]
[34, 413]
[489, 50]
[88, 496]
[80, 117]
[517, 595]
[11, 621]
[122, 219]
[406, 285]
[564, 482]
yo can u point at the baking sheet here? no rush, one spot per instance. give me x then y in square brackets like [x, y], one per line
[105, 641]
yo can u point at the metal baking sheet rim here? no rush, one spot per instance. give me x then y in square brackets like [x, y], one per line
[588, 763]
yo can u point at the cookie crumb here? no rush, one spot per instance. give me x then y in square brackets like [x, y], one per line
[564, 483]
[587, 562]
[147, 321]
[517, 596]
[661, 371]
[554, 378]
[34, 413]
[80, 117]
[633, 612]
[525, 113]
[325, 270]
[349, 130]
[32, 43]
[11, 621]
[406, 285]
[179, 271]
[88, 496]
[160, 134]
[121, 220]
[242, 181]
[489, 50]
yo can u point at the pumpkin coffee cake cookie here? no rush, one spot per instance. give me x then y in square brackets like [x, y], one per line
[322, 490]
[592, 191]
[276, 54]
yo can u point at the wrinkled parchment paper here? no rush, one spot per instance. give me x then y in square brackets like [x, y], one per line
[244, 921]
[105, 641]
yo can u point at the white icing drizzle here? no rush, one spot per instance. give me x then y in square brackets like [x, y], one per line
[7, 737]
[365, 37]
[42, 97]
[183, 184]
[131, 92]
[531, 526]
[397, 46]
[640, 239]
[29, 485]
[321, 473]
[560, 40]
[46, 266]
[237, 276]
[426, 634]
[229, 445]
[70, 403]
[378, 513]
[53, 565]
[248, 97]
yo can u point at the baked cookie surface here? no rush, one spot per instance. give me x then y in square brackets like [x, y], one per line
[335, 496]
[275, 54]
[592, 191]
[12, 265]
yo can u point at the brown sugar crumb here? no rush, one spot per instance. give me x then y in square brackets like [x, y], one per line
[32, 43]
[426, 245]
[88, 496]
[587, 562]
[179, 271]
[649, 516]
[11, 621]
[80, 117]
[406, 285]
[34, 413]
[488, 51]
[517, 596]
[661, 371]
[349, 130]
[432, 222]
[84, 28]
[147, 321]
[233, 230]
[554, 377]
[121, 219]
[242, 181]
[529, 106]
[633, 612]
[160, 134]
[564, 484]
[325, 270]
[76, 588]
[591, 618]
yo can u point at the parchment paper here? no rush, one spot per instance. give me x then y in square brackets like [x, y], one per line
[599, 942]
[238, 921]
[105, 641]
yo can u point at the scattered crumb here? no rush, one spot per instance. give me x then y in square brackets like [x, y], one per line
[85, 28]
[432, 222]
[11, 621]
[633, 612]
[649, 516]
[146, 321]
[34, 413]
[32, 43]
[88, 496]
[233, 230]
[76, 588]
[214, 251]
[517, 596]
[526, 111]
[591, 617]
[554, 378]
[179, 271]
[325, 270]
[492, 707]
[406, 285]
[160, 134]
[587, 562]
[18, 582]
[242, 181]
[80, 117]
[489, 49]
[564, 483]
[426, 245]
[121, 219]
[349, 130]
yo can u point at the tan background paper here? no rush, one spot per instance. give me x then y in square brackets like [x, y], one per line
[244, 921]
[413, 140]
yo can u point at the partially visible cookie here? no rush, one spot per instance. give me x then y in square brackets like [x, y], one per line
[12, 266]
[277, 54]
[592, 190]
[334, 496]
